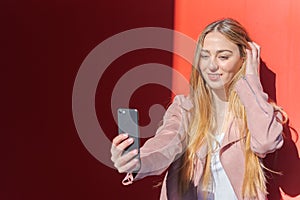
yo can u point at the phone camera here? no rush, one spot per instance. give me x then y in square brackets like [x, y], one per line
[122, 111]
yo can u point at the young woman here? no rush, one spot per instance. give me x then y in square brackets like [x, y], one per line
[212, 141]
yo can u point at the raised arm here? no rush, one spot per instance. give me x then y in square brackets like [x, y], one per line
[264, 122]
[159, 151]
[169, 141]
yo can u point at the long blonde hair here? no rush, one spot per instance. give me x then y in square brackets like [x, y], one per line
[202, 120]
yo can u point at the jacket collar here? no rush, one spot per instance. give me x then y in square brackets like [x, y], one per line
[232, 135]
[185, 102]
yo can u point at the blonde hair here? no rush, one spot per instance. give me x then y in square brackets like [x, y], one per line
[203, 121]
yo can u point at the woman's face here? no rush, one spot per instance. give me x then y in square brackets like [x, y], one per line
[220, 60]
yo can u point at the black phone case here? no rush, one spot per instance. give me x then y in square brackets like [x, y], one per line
[128, 123]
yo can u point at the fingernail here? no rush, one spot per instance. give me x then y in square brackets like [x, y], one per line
[135, 151]
[130, 140]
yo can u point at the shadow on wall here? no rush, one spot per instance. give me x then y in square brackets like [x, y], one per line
[286, 160]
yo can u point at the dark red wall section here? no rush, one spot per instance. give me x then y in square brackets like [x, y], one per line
[43, 44]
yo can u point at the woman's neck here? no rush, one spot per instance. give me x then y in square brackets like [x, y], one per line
[220, 103]
[220, 94]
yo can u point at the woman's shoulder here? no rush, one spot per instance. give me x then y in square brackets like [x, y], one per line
[183, 101]
[180, 107]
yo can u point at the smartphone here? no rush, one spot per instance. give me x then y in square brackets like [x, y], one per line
[128, 123]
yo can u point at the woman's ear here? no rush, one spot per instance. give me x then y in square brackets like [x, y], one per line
[244, 58]
[243, 61]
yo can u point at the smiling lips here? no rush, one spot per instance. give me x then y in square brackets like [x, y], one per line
[214, 76]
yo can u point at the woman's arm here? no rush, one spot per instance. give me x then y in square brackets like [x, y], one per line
[160, 151]
[169, 141]
[264, 122]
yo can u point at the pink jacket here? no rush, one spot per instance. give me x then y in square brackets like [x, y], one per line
[169, 142]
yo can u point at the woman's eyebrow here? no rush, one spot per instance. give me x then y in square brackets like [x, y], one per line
[218, 51]
[224, 50]
[204, 50]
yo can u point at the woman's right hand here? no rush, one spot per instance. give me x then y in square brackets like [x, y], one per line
[125, 163]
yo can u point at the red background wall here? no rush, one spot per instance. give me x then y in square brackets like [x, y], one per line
[274, 25]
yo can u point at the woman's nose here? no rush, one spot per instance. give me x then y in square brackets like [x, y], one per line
[213, 65]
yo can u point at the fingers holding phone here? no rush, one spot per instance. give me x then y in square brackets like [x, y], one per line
[119, 143]
[125, 147]
[124, 162]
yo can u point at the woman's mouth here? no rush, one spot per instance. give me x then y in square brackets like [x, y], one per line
[214, 76]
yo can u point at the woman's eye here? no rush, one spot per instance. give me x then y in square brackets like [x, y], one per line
[223, 57]
[204, 56]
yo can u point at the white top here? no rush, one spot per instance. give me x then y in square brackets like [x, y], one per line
[221, 186]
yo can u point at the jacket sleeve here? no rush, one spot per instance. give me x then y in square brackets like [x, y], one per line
[161, 150]
[263, 121]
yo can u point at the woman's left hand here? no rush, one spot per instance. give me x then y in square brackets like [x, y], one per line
[253, 59]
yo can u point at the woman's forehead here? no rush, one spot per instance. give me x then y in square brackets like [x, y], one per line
[216, 40]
